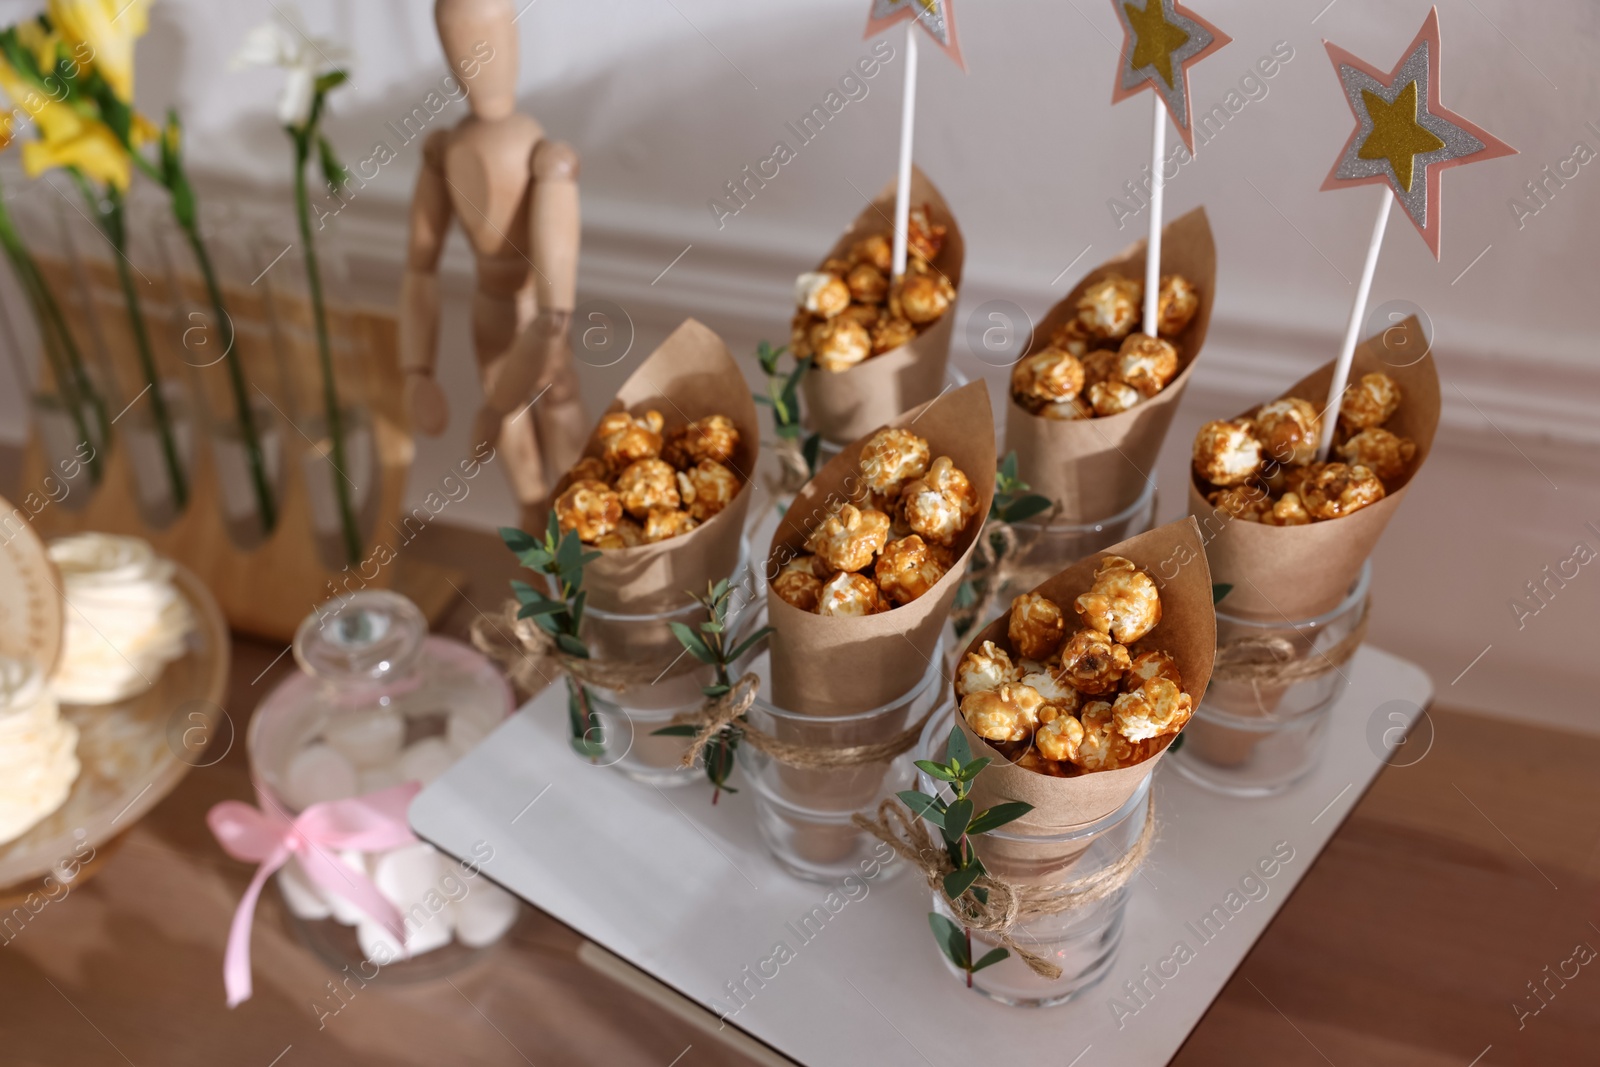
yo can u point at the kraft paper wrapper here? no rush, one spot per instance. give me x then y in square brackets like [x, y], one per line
[833, 666]
[1297, 572]
[690, 376]
[1095, 468]
[1174, 556]
[845, 405]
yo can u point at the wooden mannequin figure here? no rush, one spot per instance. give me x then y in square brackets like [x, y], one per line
[515, 195]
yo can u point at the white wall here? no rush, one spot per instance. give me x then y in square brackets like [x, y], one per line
[668, 100]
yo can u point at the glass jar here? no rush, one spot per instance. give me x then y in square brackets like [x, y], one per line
[1253, 738]
[1083, 941]
[1045, 549]
[804, 814]
[378, 702]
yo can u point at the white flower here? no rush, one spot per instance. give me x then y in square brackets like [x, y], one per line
[286, 43]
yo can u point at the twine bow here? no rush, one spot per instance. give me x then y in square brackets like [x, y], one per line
[1007, 903]
[531, 659]
[370, 823]
[716, 713]
[1277, 661]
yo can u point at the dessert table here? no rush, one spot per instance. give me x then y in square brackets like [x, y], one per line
[667, 885]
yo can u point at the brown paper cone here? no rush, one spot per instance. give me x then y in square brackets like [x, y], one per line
[1175, 558]
[1095, 468]
[1298, 572]
[690, 376]
[829, 666]
[845, 405]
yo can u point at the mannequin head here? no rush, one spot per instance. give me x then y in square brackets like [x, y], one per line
[480, 44]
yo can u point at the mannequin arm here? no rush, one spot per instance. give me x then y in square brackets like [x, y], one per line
[419, 290]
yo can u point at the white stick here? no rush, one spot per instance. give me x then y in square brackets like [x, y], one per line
[908, 122]
[1152, 255]
[1352, 330]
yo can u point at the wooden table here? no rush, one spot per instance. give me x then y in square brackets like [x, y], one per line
[1456, 881]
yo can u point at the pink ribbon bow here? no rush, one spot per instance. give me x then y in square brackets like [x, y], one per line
[368, 823]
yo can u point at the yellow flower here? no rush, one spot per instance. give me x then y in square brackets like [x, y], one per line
[108, 29]
[93, 149]
[5, 130]
[43, 43]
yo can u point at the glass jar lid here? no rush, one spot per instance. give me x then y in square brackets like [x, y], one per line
[372, 637]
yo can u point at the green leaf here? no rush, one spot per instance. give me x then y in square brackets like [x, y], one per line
[693, 642]
[759, 399]
[1025, 507]
[1177, 743]
[675, 731]
[956, 748]
[1008, 467]
[958, 882]
[966, 594]
[990, 958]
[922, 806]
[1218, 591]
[768, 357]
[331, 80]
[980, 894]
[543, 606]
[748, 643]
[935, 770]
[998, 816]
[951, 938]
[333, 172]
[969, 771]
[717, 690]
[956, 819]
[572, 646]
[516, 540]
[810, 450]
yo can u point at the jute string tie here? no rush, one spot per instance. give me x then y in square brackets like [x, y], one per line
[1009, 904]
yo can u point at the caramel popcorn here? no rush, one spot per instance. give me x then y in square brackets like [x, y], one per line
[1335, 490]
[1067, 410]
[1385, 454]
[1010, 713]
[663, 523]
[707, 488]
[1177, 301]
[1289, 430]
[1287, 510]
[625, 439]
[877, 250]
[891, 458]
[1092, 663]
[1370, 402]
[590, 508]
[714, 437]
[868, 284]
[1156, 708]
[1071, 337]
[1050, 376]
[647, 484]
[590, 469]
[1036, 627]
[628, 534]
[984, 670]
[850, 595]
[1059, 697]
[939, 504]
[1109, 308]
[1098, 366]
[1031, 760]
[867, 316]
[891, 333]
[1122, 602]
[821, 294]
[921, 298]
[1227, 453]
[1146, 363]
[1113, 397]
[1246, 502]
[1059, 739]
[841, 343]
[1102, 747]
[798, 586]
[849, 539]
[906, 569]
[924, 236]
[1150, 665]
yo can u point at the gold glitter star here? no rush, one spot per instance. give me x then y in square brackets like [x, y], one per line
[1155, 38]
[1395, 135]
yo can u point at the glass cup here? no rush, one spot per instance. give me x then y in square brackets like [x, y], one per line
[1083, 941]
[804, 813]
[1044, 549]
[627, 716]
[1254, 738]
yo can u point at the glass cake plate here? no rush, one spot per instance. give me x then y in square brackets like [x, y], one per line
[132, 754]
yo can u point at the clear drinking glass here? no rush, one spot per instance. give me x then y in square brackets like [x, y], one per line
[1254, 738]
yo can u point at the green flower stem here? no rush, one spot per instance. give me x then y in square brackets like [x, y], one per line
[113, 223]
[66, 365]
[330, 392]
[248, 430]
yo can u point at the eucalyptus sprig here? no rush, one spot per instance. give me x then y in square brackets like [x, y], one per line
[711, 644]
[561, 557]
[958, 824]
[783, 397]
[1013, 502]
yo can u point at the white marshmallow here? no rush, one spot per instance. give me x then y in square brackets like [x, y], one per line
[318, 773]
[426, 760]
[302, 897]
[484, 915]
[369, 737]
[410, 877]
